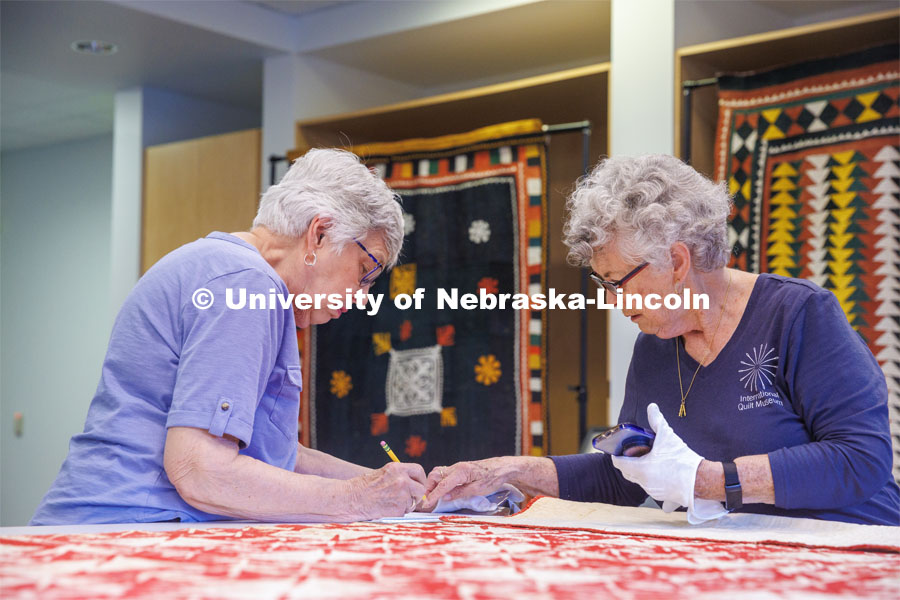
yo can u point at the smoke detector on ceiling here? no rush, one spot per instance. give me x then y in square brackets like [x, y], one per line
[95, 47]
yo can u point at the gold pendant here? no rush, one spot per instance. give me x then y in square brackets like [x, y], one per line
[681, 411]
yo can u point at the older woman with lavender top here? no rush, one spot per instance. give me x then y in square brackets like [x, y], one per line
[195, 416]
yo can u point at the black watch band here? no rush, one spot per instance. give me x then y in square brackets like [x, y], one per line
[733, 494]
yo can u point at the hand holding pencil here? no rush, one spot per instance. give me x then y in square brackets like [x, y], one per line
[394, 458]
[391, 491]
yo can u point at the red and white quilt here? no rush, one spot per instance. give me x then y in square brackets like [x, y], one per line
[449, 559]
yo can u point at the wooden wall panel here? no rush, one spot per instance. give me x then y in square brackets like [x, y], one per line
[197, 186]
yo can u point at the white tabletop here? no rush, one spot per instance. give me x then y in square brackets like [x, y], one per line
[107, 527]
[174, 526]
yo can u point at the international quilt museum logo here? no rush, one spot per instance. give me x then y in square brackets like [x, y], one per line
[759, 368]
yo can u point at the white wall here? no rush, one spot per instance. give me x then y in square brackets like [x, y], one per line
[830, 10]
[125, 202]
[641, 107]
[701, 21]
[279, 102]
[171, 117]
[147, 116]
[302, 87]
[54, 278]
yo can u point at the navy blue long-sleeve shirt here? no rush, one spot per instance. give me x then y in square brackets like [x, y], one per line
[796, 382]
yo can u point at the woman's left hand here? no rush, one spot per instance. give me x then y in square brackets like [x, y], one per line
[668, 472]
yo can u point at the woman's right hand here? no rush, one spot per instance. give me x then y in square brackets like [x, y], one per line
[391, 491]
[470, 478]
[531, 475]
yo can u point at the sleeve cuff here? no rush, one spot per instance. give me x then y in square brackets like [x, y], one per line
[222, 422]
[562, 477]
[570, 471]
[779, 480]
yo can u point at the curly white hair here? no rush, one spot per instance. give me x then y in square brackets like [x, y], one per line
[643, 205]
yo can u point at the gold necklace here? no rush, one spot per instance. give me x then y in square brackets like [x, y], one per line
[681, 411]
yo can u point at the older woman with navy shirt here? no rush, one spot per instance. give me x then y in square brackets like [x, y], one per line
[195, 415]
[769, 391]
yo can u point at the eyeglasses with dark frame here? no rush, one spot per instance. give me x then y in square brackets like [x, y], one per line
[613, 286]
[374, 273]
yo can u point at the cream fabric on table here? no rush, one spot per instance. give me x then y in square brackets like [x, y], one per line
[556, 513]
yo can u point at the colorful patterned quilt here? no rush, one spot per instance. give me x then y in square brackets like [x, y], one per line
[442, 384]
[811, 155]
[453, 560]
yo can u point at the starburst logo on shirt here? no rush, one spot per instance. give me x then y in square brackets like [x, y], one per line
[759, 368]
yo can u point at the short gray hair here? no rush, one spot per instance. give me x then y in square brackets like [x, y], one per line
[334, 185]
[643, 205]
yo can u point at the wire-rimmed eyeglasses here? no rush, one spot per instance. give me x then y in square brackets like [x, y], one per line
[374, 273]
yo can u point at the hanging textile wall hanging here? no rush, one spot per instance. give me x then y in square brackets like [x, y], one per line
[451, 384]
[811, 155]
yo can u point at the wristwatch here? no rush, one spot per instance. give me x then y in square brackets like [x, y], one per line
[733, 494]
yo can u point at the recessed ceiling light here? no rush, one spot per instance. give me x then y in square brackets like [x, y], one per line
[95, 47]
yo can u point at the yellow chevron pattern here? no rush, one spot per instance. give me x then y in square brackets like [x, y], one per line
[839, 254]
[781, 226]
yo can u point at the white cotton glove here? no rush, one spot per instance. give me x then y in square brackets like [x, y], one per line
[701, 510]
[669, 471]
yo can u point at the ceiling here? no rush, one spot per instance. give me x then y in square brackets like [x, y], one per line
[496, 44]
[295, 7]
[800, 9]
[52, 94]
[49, 94]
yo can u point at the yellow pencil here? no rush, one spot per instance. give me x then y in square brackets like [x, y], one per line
[395, 459]
[389, 451]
